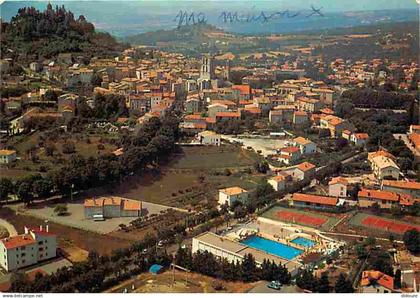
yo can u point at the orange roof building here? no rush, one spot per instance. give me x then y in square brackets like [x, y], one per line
[109, 207]
[308, 200]
[376, 279]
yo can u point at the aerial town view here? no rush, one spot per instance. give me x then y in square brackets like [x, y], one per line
[210, 147]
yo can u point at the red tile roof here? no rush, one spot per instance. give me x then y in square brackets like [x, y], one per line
[17, 241]
[379, 195]
[228, 115]
[402, 184]
[291, 149]
[377, 276]
[313, 199]
[243, 89]
[305, 166]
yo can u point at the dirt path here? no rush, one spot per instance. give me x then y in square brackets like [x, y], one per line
[9, 227]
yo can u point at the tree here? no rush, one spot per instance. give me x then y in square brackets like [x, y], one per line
[249, 269]
[18, 281]
[361, 251]
[397, 279]
[306, 280]
[324, 284]
[24, 192]
[396, 211]
[69, 148]
[6, 187]
[375, 208]
[61, 209]
[411, 240]
[96, 80]
[42, 187]
[343, 285]
[370, 241]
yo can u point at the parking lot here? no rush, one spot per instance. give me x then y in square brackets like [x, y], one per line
[76, 217]
[261, 287]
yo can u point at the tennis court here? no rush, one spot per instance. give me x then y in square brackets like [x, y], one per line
[300, 218]
[388, 225]
[309, 218]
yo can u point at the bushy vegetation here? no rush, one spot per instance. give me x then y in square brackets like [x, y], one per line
[53, 31]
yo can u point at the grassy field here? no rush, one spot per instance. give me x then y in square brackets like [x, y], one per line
[332, 219]
[193, 177]
[212, 157]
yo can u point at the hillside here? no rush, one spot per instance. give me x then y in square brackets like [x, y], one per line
[196, 34]
[34, 34]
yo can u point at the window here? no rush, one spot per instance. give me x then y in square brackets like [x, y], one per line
[23, 254]
[40, 242]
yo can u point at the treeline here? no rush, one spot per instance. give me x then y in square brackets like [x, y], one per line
[106, 107]
[306, 280]
[47, 33]
[152, 144]
[379, 99]
[206, 263]
[380, 125]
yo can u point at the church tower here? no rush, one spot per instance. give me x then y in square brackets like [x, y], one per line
[207, 68]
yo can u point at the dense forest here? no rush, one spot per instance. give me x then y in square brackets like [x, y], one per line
[34, 33]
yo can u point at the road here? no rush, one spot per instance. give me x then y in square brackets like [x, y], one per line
[9, 227]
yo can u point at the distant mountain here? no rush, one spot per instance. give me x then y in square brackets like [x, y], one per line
[195, 34]
[33, 33]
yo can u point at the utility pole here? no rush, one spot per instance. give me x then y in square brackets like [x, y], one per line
[71, 192]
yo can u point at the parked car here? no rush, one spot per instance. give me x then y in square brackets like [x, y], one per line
[276, 285]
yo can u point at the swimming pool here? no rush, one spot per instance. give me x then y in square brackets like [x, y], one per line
[303, 242]
[272, 247]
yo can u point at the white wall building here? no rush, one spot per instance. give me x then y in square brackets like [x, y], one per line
[34, 246]
[209, 138]
[337, 187]
[232, 194]
[277, 182]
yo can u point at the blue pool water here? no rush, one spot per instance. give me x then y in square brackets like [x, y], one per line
[303, 242]
[273, 247]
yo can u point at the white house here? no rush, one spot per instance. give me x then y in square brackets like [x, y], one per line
[7, 156]
[337, 187]
[301, 171]
[383, 166]
[277, 182]
[34, 246]
[359, 139]
[232, 194]
[209, 138]
[306, 146]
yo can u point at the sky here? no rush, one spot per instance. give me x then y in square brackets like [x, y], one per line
[124, 17]
[328, 5]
